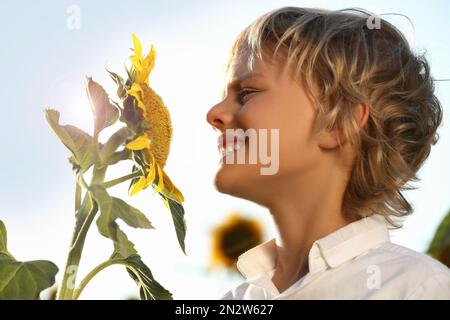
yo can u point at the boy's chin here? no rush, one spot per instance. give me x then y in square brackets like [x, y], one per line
[225, 180]
[234, 180]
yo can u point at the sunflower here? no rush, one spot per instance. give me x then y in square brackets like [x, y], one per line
[234, 236]
[144, 111]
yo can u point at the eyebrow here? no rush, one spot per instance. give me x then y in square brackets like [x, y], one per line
[246, 76]
[237, 81]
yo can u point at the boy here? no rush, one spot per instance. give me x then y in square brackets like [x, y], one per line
[355, 114]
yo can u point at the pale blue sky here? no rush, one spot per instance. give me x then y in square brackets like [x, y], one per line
[43, 63]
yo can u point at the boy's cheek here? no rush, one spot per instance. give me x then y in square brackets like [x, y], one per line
[261, 114]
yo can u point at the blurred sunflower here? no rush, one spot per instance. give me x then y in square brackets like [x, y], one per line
[145, 113]
[234, 236]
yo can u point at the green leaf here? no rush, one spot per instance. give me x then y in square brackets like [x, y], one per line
[25, 280]
[177, 211]
[76, 140]
[121, 92]
[441, 238]
[4, 240]
[132, 216]
[124, 252]
[105, 222]
[22, 280]
[123, 247]
[114, 142]
[118, 156]
[135, 168]
[131, 76]
[87, 206]
[112, 208]
[116, 78]
[3, 237]
[149, 288]
[105, 113]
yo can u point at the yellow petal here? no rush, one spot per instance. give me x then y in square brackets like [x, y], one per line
[136, 91]
[142, 76]
[138, 186]
[178, 195]
[144, 66]
[136, 63]
[149, 61]
[152, 173]
[160, 185]
[171, 190]
[137, 47]
[141, 142]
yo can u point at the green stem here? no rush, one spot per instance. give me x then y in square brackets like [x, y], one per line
[92, 274]
[74, 252]
[77, 197]
[112, 183]
[95, 142]
[73, 259]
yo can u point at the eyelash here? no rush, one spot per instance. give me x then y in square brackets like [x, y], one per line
[241, 94]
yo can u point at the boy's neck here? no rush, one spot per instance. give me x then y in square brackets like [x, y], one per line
[302, 217]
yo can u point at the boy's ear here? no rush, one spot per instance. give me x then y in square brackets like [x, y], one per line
[330, 139]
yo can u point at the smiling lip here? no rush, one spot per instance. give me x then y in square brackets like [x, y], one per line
[229, 143]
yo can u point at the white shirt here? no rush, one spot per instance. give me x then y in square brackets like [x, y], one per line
[357, 261]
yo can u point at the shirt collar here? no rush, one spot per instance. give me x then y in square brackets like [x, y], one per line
[330, 251]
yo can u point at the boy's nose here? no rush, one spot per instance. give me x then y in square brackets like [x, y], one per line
[219, 117]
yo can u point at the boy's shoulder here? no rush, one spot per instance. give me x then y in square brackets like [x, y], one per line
[413, 261]
[422, 276]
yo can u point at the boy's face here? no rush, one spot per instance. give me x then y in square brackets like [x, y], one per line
[267, 98]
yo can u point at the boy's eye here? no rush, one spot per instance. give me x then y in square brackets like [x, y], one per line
[243, 95]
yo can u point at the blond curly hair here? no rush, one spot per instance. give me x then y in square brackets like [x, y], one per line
[350, 62]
